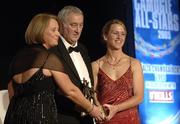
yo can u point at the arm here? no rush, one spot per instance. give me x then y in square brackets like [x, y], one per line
[95, 68]
[10, 89]
[73, 93]
[138, 90]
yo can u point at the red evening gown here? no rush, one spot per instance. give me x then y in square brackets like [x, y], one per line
[115, 92]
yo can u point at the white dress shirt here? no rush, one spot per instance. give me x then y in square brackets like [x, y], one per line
[78, 63]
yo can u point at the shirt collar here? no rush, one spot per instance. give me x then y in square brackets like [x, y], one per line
[67, 45]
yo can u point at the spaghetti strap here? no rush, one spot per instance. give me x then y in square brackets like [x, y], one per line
[98, 63]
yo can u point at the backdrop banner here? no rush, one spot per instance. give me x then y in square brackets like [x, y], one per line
[157, 38]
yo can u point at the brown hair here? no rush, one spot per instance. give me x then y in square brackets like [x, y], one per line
[37, 26]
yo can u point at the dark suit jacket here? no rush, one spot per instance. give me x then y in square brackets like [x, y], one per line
[64, 105]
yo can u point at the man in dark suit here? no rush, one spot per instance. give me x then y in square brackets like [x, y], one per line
[76, 63]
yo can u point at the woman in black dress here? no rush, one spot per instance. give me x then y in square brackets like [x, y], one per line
[35, 71]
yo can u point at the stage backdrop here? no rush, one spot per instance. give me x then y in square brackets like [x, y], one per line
[157, 40]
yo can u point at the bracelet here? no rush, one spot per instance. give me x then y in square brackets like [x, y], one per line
[91, 109]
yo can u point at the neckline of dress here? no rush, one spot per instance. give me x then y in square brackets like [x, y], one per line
[114, 80]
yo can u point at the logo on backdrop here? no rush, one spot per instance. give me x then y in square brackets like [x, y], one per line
[156, 16]
[157, 38]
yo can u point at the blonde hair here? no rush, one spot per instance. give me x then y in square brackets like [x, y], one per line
[38, 24]
[108, 24]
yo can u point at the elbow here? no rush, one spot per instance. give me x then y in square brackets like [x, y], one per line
[140, 99]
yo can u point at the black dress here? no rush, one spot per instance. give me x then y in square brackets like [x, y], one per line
[33, 101]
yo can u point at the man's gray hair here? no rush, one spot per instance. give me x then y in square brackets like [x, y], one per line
[64, 12]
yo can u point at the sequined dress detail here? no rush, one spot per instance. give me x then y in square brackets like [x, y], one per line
[33, 101]
[116, 91]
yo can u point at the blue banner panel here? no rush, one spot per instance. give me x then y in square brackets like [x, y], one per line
[157, 39]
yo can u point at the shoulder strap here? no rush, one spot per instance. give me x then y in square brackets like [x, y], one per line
[98, 63]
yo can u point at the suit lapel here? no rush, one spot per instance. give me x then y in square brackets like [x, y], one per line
[87, 63]
[65, 55]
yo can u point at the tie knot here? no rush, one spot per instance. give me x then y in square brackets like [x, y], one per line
[75, 49]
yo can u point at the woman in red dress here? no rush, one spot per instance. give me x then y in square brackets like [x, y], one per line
[118, 78]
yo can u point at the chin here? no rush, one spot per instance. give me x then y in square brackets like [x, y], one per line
[55, 44]
[73, 42]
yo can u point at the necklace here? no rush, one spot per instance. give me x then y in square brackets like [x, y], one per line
[113, 65]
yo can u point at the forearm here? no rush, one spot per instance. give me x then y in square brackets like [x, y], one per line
[77, 97]
[129, 103]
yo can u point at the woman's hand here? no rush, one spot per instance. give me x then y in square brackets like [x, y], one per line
[97, 113]
[112, 110]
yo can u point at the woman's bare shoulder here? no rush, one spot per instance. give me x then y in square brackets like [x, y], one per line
[98, 60]
[135, 63]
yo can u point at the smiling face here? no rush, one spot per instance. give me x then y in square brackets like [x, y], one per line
[43, 29]
[114, 34]
[51, 34]
[72, 27]
[115, 37]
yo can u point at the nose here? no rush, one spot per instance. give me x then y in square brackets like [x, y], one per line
[118, 36]
[58, 33]
[78, 28]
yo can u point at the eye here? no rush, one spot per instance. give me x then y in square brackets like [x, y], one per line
[115, 33]
[73, 25]
[55, 29]
[81, 25]
[123, 34]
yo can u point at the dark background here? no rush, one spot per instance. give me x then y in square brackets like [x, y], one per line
[16, 15]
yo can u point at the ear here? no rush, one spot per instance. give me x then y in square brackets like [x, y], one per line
[105, 37]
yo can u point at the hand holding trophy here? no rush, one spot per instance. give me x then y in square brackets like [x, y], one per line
[88, 93]
[104, 111]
